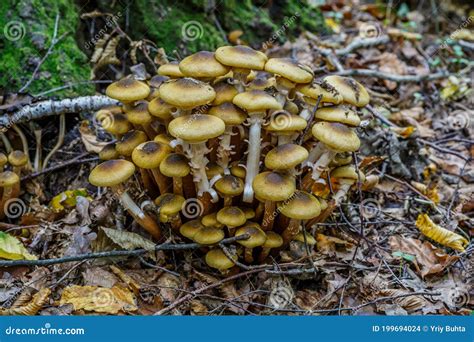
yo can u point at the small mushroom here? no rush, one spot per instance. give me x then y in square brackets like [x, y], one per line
[128, 90]
[108, 152]
[210, 220]
[217, 259]
[139, 115]
[129, 141]
[339, 114]
[231, 217]
[311, 92]
[114, 173]
[3, 161]
[169, 206]
[202, 65]
[257, 238]
[18, 160]
[346, 176]
[351, 91]
[190, 228]
[274, 240]
[175, 165]
[155, 82]
[285, 126]
[225, 92]
[115, 124]
[228, 187]
[209, 236]
[285, 158]
[148, 156]
[9, 182]
[170, 70]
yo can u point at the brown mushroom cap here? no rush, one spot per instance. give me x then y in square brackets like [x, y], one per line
[338, 114]
[128, 89]
[109, 152]
[17, 158]
[187, 93]
[3, 159]
[229, 113]
[213, 169]
[283, 122]
[231, 216]
[170, 69]
[257, 235]
[352, 91]
[272, 186]
[314, 90]
[209, 236]
[210, 220]
[238, 171]
[242, 57]
[175, 165]
[111, 172]
[8, 179]
[225, 92]
[336, 136]
[169, 205]
[274, 240]
[138, 113]
[217, 259]
[286, 156]
[310, 240]
[347, 172]
[261, 83]
[190, 228]
[229, 185]
[116, 124]
[202, 64]
[256, 101]
[300, 206]
[129, 141]
[289, 69]
[157, 80]
[249, 213]
[148, 155]
[160, 109]
[196, 127]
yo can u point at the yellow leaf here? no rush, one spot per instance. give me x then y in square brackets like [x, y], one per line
[430, 192]
[67, 199]
[439, 234]
[12, 249]
[99, 299]
[333, 25]
[404, 132]
[449, 91]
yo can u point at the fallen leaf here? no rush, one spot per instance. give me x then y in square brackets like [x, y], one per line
[12, 249]
[439, 234]
[128, 240]
[35, 304]
[91, 143]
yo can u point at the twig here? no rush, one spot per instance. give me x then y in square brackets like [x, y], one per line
[59, 166]
[111, 254]
[71, 85]
[444, 150]
[361, 42]
[393, 77]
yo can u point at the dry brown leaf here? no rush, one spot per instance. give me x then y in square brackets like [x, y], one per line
[409, 303]
[39, 299]
[131, 283]
[169, 286]
[327, 244]
[431, 259]
[198, 308]
[99, 299]
[390, 63]
[90, 141]
[439, 234]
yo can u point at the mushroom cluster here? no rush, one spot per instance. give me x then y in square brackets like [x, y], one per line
[11, 168]
[239, 134]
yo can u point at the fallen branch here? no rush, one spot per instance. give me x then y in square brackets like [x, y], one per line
[50, 107]
[361, 42]
[393, 77]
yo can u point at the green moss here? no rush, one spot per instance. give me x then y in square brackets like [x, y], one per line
[35, 21]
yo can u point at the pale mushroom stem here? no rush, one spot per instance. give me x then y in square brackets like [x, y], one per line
[225, 149]
[253, 156]
[341, 193]
[177, 186]
[291, 231]
[268, 215]
[305, 113]
[314, 154]
[285, 139]
[197, 155]
[239, 80]
[322, 163]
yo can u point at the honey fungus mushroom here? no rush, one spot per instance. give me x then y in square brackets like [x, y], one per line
[128, 90]
[351, 91]
[202, 65]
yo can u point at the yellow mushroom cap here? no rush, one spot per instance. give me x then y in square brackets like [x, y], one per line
[3, 159]
[225, 92]
[190, 228]
[217, 259]
[255, 101]
[163, 138]
[8, 179]
[160, 109]
[115, 123]
[272, 186]
[242, 57]
[169, 205]
[310, 240]
[257, 235]
[347, 172]
[338, 114]
[202, 64]
[148, 155]
[289, 69]
[286, 156]
[274, 240]
[17, 158]
[314, 90]
[196, 127]
[175, 165]
[213, 169]
[187, 93]
[129, 141]
[352, 91]
[341, 159]
[336, 136]
[238, 171]
[170, 69]
[229, 113]
[128, 89]
[209, 236]
[111, 172]
[231, 216]
[230, 185]
[108, 152]
[300, 206]
[249, 213]
[138, 113]
[210, 220]
[283, 122]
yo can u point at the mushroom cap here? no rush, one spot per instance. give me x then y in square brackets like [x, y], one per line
[240, 56]
[274, 240]
[209, 235]
[148, 155]
[291, 108]
[187, 93]
[289, 69]
[336, 136]
[109, 152]
[323, 203]
[170, 69]
[175, 165]
[286, 156]
[338, 114]
[249, 213]
[310, 240]
[128, 89]
[341, 159]
[210, 220]
[17, 158]
[261, 83]
[351, 91]
[196, 127]
[202, 64]
[157, 80]
[272, 186]
[116, 124]
[163, 138]
[111, 172]
[314, 90]
[230, 185]
[231, 216]
[225, 92]
[213, 169]
[217, 259]
[190, 228]
[159, 108]
[300, 206]
[3, 159]
[284, 122]
[255, 101]
[257, 235]
[347, 172]
[138, 113]
[229, 113]
[129, 141]
[169, 204]
[238, 171]
[8, 179]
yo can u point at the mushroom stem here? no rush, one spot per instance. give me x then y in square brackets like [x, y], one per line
[227, 201]
[177, 186]
[322, 163]
[59, 142]
[248, 255]
[285, 139]
[39, 150]
[225, 149]
[8, 193]
[264, 253]
[314, 154]
[24, 143]
[160, 180]
[253, 156]
[6, 142]
[196, 152]
[268, 215]
[341, 193]
[291, 231]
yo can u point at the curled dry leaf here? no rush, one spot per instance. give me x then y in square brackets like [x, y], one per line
[439, 234]
[409, 303]
[90, 141]
[128, 240]
[37, 302]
